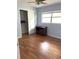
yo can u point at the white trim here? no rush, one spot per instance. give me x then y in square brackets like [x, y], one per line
[19, 37]
[57, 11]
[18, 52]
[54, 36]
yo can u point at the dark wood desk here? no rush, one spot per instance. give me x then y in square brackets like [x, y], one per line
[42, 30]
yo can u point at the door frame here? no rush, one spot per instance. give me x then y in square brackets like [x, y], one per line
[27, 20]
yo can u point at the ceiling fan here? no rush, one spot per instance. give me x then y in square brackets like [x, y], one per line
[38, 2]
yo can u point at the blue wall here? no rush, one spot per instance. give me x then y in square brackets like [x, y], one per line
[54, 29]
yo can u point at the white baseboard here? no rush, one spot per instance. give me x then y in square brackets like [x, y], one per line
[54, 36]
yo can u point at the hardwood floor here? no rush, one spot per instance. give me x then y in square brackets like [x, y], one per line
[39, 47]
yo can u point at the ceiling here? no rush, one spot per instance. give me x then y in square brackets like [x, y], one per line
[48, 2]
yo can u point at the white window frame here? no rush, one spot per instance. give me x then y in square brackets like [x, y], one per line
[51, 18]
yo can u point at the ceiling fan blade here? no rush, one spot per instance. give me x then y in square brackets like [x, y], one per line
[38, 2]
[31, 2]
[43, 2]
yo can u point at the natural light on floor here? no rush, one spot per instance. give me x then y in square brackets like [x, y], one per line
[44, 46]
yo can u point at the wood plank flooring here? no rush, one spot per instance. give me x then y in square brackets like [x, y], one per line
[39, 47]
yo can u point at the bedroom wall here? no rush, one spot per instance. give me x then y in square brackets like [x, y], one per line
[54, 29]
[31, 18]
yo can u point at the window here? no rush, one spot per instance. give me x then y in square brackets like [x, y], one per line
[46, 18]
[54, 17]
